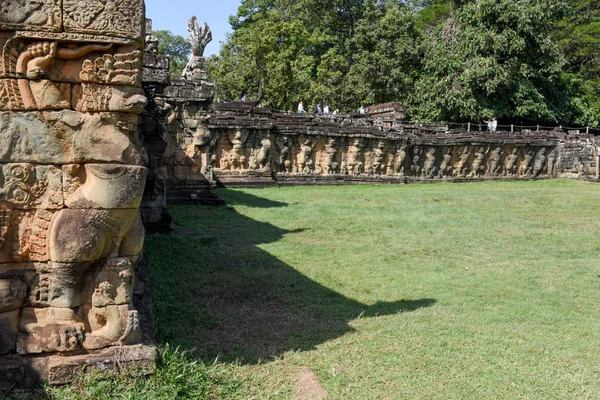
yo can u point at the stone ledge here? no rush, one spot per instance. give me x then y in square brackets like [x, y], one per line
[29, 371]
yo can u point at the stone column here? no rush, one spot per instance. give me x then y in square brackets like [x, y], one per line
[72, 174]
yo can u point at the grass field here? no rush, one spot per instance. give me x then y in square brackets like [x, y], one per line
[436, 291]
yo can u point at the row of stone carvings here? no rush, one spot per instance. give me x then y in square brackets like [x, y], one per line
[234, 152]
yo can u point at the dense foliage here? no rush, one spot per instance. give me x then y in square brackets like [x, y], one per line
[452, 60]
[176, 47]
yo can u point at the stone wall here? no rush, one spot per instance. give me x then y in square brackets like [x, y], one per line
[204, 144]
[237, 144]
[72, 174]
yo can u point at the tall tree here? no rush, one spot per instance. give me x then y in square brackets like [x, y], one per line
[578, 35]
[493, 57]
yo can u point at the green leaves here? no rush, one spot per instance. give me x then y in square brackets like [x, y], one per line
[176, 48]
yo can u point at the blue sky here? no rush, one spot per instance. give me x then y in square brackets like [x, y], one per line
[174, 15]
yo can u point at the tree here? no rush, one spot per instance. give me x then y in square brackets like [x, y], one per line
[578, 35]
[493, 58]
[176, 47]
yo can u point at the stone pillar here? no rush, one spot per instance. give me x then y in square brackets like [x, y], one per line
[155, 215]
[72, 175]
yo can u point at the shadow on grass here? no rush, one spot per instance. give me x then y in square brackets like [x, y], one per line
[236, 197]
[216, 293]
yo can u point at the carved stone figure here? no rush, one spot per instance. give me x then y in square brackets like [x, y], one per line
[399, 160]
[478, 166]
[429, 166]
[237, 157]
[495, 167]
[262, 158]
[198, 39]
[284, 149]
[354, 162]
[378, 155]
[416, 160]
[460, 170]
[331, 150]
[526, 167]
[305, 161]
[511, 168]
[446, 165]
[540, 162]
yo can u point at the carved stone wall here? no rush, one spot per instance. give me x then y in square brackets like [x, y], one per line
[72, 175]
[175, 131]
[248, 146]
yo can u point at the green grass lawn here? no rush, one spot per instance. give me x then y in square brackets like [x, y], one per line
[425, 291]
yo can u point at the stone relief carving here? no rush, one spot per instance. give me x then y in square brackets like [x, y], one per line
[71, 176]
[30, 14]
[243, 150]
[113, 17]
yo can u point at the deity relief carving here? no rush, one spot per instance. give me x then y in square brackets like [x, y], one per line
[511, 167]
[478, 166]
[430, 163]
[283, 162]
[461, 165]
[400, 159]
[331, 151]
[305, 161]
[446, 165]
[259, 159]
[354, 158]
[495, 167]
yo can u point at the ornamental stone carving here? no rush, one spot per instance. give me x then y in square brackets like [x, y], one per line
[72, 175]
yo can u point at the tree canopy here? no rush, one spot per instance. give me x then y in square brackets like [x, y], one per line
[445, 60]
[176, 47]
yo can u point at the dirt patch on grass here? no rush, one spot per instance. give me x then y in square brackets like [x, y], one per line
[308, 386]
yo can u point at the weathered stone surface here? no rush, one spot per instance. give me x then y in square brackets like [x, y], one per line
[63, 370]
[12, 294]
[44, 330]
[71, 183]
[67, 137]
[27, 14]
[108, 17]
[11, 372]
[9, 321]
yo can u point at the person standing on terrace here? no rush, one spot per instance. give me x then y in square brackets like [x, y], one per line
[300, 108]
